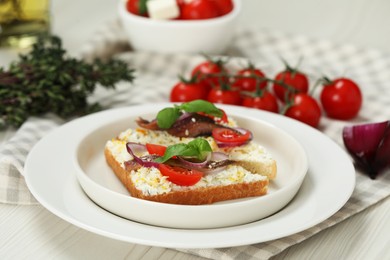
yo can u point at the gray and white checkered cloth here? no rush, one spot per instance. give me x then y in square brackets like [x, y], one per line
[157, 73]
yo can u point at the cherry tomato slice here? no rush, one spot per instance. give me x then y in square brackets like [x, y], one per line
[179, 175]
[225, 135]
[156, 149]
[223, 119]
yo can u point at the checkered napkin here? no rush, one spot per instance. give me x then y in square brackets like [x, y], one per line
[156, 74]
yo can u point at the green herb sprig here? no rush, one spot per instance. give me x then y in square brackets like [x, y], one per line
[198, 148]
[47, 80]
[168, 116]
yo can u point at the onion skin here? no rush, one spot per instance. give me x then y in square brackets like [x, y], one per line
[215, 162]
[369, 145]
[147, 160]
[382, 159]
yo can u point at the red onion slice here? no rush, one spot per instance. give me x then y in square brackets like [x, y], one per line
[218, 156]
[194, 164]
[215, 162]
[184, 116]
[369, 145]
[146, 160]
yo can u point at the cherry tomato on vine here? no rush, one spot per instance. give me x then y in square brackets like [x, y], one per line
[294, 82]
[246, 83]
[203, 70]
[179, 175]
[199, 9]
[185, 91]
[224, 6]
[266, 101]
[341, 99]
[224, 96]
[136, 7]
[305, 109]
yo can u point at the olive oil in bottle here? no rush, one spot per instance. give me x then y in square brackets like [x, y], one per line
[22, 21]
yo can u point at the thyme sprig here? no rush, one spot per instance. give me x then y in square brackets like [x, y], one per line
[47, 80]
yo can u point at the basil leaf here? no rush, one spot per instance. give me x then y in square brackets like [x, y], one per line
[201, 146]
[177, 150]
[142, 9]
[167, 117]
[201, 106]
[197, 148]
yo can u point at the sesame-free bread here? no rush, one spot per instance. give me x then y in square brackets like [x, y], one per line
[255, 185]
[247, 176]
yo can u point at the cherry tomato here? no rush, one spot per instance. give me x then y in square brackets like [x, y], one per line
[266, 101]
[225, 135]
[224, 6]
[223, 119]
[224, 96]
[156, 149]
[134, 7]
[305, 109]
[297, 81]
[204, 69]
[250, 84]
[185, 91]
[179, 175]
[341, 99]
[180, 4]
[199, 9]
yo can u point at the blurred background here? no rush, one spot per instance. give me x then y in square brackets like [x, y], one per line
[364, 23]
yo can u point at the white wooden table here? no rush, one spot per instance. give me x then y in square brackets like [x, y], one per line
[35, 233]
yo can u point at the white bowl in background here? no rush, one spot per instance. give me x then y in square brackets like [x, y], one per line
[208, 36]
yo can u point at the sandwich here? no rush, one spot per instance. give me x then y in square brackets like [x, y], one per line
[190, 154]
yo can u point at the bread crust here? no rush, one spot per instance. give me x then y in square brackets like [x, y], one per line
[189, 197]
[268, 170]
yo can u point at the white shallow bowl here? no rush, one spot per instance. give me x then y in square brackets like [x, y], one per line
[209, 36]
[102, 186]
[54, 184]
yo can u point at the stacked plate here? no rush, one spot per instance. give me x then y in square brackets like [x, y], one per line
[67, 173]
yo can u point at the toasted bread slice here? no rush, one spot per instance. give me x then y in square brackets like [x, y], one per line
[158, 189]
[248, 176]
[253, 158]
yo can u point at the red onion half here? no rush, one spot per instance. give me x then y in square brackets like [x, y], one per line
[369, 145]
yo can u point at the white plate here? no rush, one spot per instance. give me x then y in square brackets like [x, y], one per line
[51, 178]
[103, 187]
